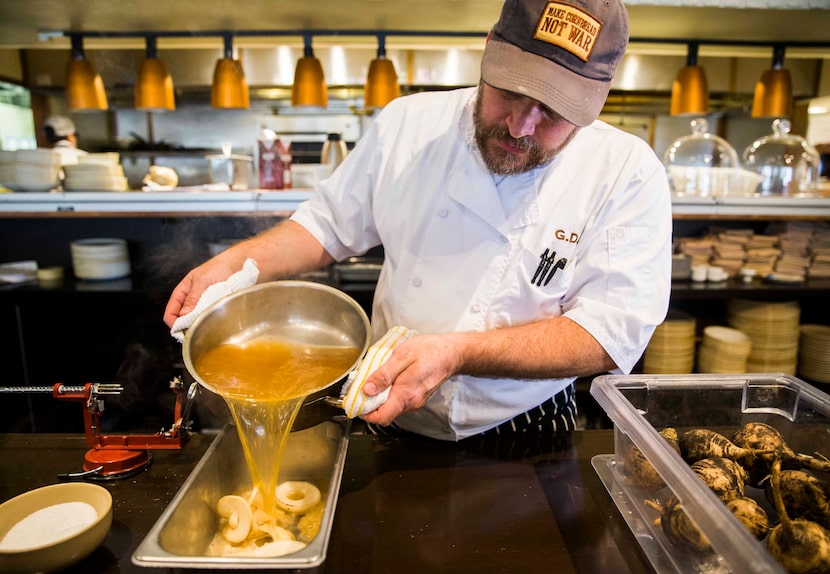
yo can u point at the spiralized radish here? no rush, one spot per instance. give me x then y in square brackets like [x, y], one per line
[297, 496]
[283, 529]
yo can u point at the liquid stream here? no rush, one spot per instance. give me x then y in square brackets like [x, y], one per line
[264, 382]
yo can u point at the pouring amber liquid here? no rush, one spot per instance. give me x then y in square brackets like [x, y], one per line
[264, 382]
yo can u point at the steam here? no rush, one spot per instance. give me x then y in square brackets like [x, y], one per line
[190, 243]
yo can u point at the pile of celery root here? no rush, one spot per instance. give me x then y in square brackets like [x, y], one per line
[798, 537]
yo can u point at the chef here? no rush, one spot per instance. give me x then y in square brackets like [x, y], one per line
[526, 242]
[63, 137]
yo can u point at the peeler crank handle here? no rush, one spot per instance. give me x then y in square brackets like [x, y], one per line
[80, 475]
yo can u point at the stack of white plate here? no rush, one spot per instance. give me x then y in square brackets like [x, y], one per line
[774, 330]
[814, 353]
[95, 172]
[100, 259]
[30, 169]
[723, 350]
[672, 347]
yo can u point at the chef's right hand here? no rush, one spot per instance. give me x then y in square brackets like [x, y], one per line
[186, 294]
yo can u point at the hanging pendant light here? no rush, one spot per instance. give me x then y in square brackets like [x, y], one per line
[382, 81]
[154, 85]
[690, 91]
[309, 87]
[84, 87]
[774, 91]
[229, 88]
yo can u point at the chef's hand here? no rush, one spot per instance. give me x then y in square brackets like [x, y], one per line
[186, 294]
[415, 370]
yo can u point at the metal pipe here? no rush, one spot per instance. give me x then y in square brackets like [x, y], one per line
[415, 33]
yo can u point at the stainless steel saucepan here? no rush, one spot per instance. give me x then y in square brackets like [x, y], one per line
[299, 311]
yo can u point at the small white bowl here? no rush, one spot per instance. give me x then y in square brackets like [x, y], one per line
[61, 552]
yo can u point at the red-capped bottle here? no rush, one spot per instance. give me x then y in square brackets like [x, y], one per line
[270, 161]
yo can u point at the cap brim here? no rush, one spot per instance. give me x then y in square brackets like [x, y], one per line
[576, 98]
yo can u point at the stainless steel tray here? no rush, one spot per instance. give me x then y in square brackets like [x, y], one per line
[184, 530]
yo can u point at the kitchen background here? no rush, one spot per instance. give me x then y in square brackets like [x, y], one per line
[87, 331]
[34, 52]
[182, 138]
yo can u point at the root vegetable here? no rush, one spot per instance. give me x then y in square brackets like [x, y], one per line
[639, 466]
[297, 496]
[679, 528]
[270, 549]
[725, 477]
[266, 524]
[751, 515]
[800, 546]
[804, 495]
[697, 444]
[237, 518]
[309, 524]
[763, 437]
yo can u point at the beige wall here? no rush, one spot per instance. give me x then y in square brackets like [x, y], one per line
[10, 68]
[824, 79]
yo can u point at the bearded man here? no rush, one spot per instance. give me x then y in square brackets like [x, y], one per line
[525, 242]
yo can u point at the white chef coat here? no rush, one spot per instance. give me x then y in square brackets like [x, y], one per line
[68, 152]
[587, 236]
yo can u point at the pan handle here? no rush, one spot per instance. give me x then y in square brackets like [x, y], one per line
[336, 402]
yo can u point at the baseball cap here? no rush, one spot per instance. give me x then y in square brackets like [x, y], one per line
[61, 125]
[561, 53]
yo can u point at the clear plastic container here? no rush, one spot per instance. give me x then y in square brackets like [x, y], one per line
[705, 164]
[641, 405]
[788, 164]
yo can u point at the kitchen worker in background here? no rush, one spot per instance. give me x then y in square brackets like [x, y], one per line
[62, 136]
[525, 241]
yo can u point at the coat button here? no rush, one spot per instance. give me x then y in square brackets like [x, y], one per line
[443, 212]
[416, 282]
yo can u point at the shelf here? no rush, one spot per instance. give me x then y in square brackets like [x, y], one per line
[690, 290]
[252, 202]
[137, 203]
[763, 207]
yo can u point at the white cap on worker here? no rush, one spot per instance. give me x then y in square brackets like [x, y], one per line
[61, 125]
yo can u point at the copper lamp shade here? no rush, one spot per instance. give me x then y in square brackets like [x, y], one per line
[154, 85]
[229, 89]
[243, 83]
[690, 90]
[382, 82]
[309, 87]
[84, 87]
[774, 91]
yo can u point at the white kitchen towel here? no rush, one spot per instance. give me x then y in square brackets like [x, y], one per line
[355, 402]
[246, 277]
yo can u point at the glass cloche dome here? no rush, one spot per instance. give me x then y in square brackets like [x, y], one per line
[703, 164]
[787, 163]
[701, 149]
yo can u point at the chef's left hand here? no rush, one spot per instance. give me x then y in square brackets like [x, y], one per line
[415, 370]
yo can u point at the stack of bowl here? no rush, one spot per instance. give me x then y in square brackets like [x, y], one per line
[723, 350]
[30, 169]
[672, 347]
[100, 259]
[95, 172]
[814, 353]
[773, 328]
